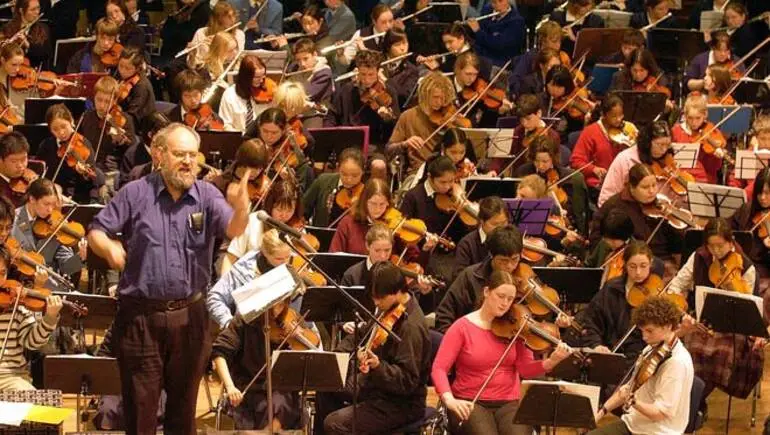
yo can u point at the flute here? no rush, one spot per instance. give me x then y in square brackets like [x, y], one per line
[256, 15]
[577, 22]
[410, 16]
[483, 17]
[207, 40]
[288, 36]
[656, 22]
[347, 75]
[329, 49]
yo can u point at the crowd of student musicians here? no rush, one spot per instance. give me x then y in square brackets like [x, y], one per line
[617, 193]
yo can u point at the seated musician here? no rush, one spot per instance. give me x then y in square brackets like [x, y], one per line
[760, 142]
[141, 159]
[25, 331]
[348, 109]
[631, 41]
[560, 88]
[652, 145]
[328, 198]
[455, 145]
[710, 349]
[112, 140]
[89, 58]
[577, 15]
[692, 129]
[505, 245]
[392, 376]
[78, 177]
[351, 231]
[662, 403]
[641, 191]
[14, 154]
[472, 348]
[534, 82]
[281, 203]
[11, 60]
[543, 160]
[317, 78]
[655, 10]
[499, 38]
[402, 75]
[468, 85]
[744, 35]
[250, 94]
[530, 112]
[382, 21]
[548, 38]
[472, 248]
[42, 200]
[129, 35]
[268, 22]
[744, 220]
[37, 41]
[434, 95]
[223, 16]
[132, 72]
[720, 52]
[340, 19]
[702, 6]
[191, 86]
[314, 25]
[717, 83]
[456, 43]
[222, 51]
[594, 147]
[250, 161]
[139, 16]
[641, 73]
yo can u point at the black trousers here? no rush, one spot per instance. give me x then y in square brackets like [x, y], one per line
[617, 427]
[373, 415]
[161, 350]
[489, 418]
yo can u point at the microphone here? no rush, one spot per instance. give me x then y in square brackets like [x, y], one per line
[280, 226]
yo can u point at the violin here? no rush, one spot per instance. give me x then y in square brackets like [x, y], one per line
[111, 57]
[309, 244]
[653, 286]
[538, 336]
[34, 298]
[614, 266]
[410, 231]
[379, 336]
[535, 249]
[540, 298]
[447, 113]
[258, 187]
[530, 136]
[624, 136]
[68, 233]
[377, 96]
[76, 154]
[26, 262]
[558, 225]
[663, 208]
[346, 197]
[650, 84]
[466, 210]
[290, 151]
[576, 104]
[8, 119]
[493, 98]
[413, 271]
[727, 274]
[265, 92]
[116, 120]
[203, 118]
[647, 365]
[20, 184]
[552, 178]
[667, 169]
[465, 168]
[289, 326]
[761, 224]
[125, 87]
[45, 81]
[713, 141]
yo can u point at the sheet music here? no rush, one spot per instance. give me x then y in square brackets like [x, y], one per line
[711, 19]
[685, 154]
[589, 391]
[257, 296]
[13, 413]
[749, 162]
[495, 142]
[702, 291]
[614, 19]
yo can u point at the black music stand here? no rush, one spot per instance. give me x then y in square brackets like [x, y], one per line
[564, 278]
[85, 81]
[446, 12]
[35, 134]
[325, 304]
[82, 375]
[336, 263]
[101, 311]
[482, 187]
[331, 141]
[597, 368]
[714, 200]
[674, 48]
[323, 234]
[226, 143]
[429, 35]
[641, 107]
[754, 92]
[548, 405]
[599, 43]
[529, 215]
[35, 108]
[65, 50]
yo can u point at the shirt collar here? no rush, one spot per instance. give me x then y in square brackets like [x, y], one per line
[711, 58]
[369, 263]
[159, 186]
[482, 235]
[429, 189]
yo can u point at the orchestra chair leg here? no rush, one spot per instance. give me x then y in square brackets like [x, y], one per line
[696, 396]
[754, 397]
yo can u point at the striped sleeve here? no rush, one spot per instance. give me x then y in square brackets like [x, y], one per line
[33, 334]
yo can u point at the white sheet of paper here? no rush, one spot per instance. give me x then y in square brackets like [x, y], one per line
[12, 413]
[253, 298]
[702, 291]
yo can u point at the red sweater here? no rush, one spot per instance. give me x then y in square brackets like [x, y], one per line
[594, 146]
[350, 237]
[473, 352]
[708, 165]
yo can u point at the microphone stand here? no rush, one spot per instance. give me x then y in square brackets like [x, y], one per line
[358, 308]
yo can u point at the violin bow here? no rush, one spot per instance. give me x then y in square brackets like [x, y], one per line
[753, 50]
[570, 175]
[486, 89]
[737, 83]
[339, 218]
[708, 132]
[445, 123]
[58, 227]
[113, 100]
[69, 145]
[463, 201]
[633, 327]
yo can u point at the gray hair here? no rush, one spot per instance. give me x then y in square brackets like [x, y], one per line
[160, 139]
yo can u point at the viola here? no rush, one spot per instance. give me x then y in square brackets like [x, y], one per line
[346, 197]
[111, 57]
[410, 231]
[203, 118]
[624, 136]
[443, 116]
[652, 286]
[34, 298]
[289, 326]
[540, 298]
[466, 210]
[493, 98]
[538, 336]
[125, 87]
[379, 336]
[413, 271]
[265, 92]
[667, 169]
[68, 233]
[76, 154]
[663, 208]
[727, 274]
[20, 184]
[377, 96]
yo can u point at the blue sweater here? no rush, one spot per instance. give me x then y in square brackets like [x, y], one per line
[500, 39]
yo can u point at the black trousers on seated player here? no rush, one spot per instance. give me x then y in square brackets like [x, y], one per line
[490, 417]
[617, 427]
[161, 350]
[334, 414]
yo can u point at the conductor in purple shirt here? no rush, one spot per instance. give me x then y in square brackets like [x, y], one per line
[167, 221]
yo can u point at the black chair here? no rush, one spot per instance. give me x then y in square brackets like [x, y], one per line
[696, 396]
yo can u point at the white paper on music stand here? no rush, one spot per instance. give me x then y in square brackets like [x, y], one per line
[343, 360]
[257, 296]
[13, 413]
[702, 291]
[685, 154]
[701, 197]
[589, 391]
[274, 61]
[749, 162]
[711, 19]
[498, 144]
[614, 19]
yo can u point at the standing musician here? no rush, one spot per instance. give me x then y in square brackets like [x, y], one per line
[574, 18]
[26, 332]
[191, 109]
[469, 84]
[402, 75]
[362, 101]
[392, 386]
[374, 201]
[333, 194]
[15, 176]
[501, 37]
[162, 286]
[719, 53]
[746, 218]
[594, 146]
[472, 248]
[36, 41]
[436, 96]
[223, 16]
[69, 158]
[252, 92]
[472, 346]
[135, 96]
[382, 21]
[317, 78]
[730, 362]
[654, 10]
[661, 404]
[129, 35]
[179, 28]
[43, 202]
[100, 55]
[694, 126]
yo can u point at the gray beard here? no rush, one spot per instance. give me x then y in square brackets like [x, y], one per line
[178, 181]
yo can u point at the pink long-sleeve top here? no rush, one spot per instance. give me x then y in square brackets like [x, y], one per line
[593, 149]
[473, 352]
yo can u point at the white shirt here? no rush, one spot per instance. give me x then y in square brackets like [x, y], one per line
[200, 54]
[232, 109]
[669, 390]
[250, 240]
[685, 278]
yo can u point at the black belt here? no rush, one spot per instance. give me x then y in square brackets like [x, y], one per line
[144, 304]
